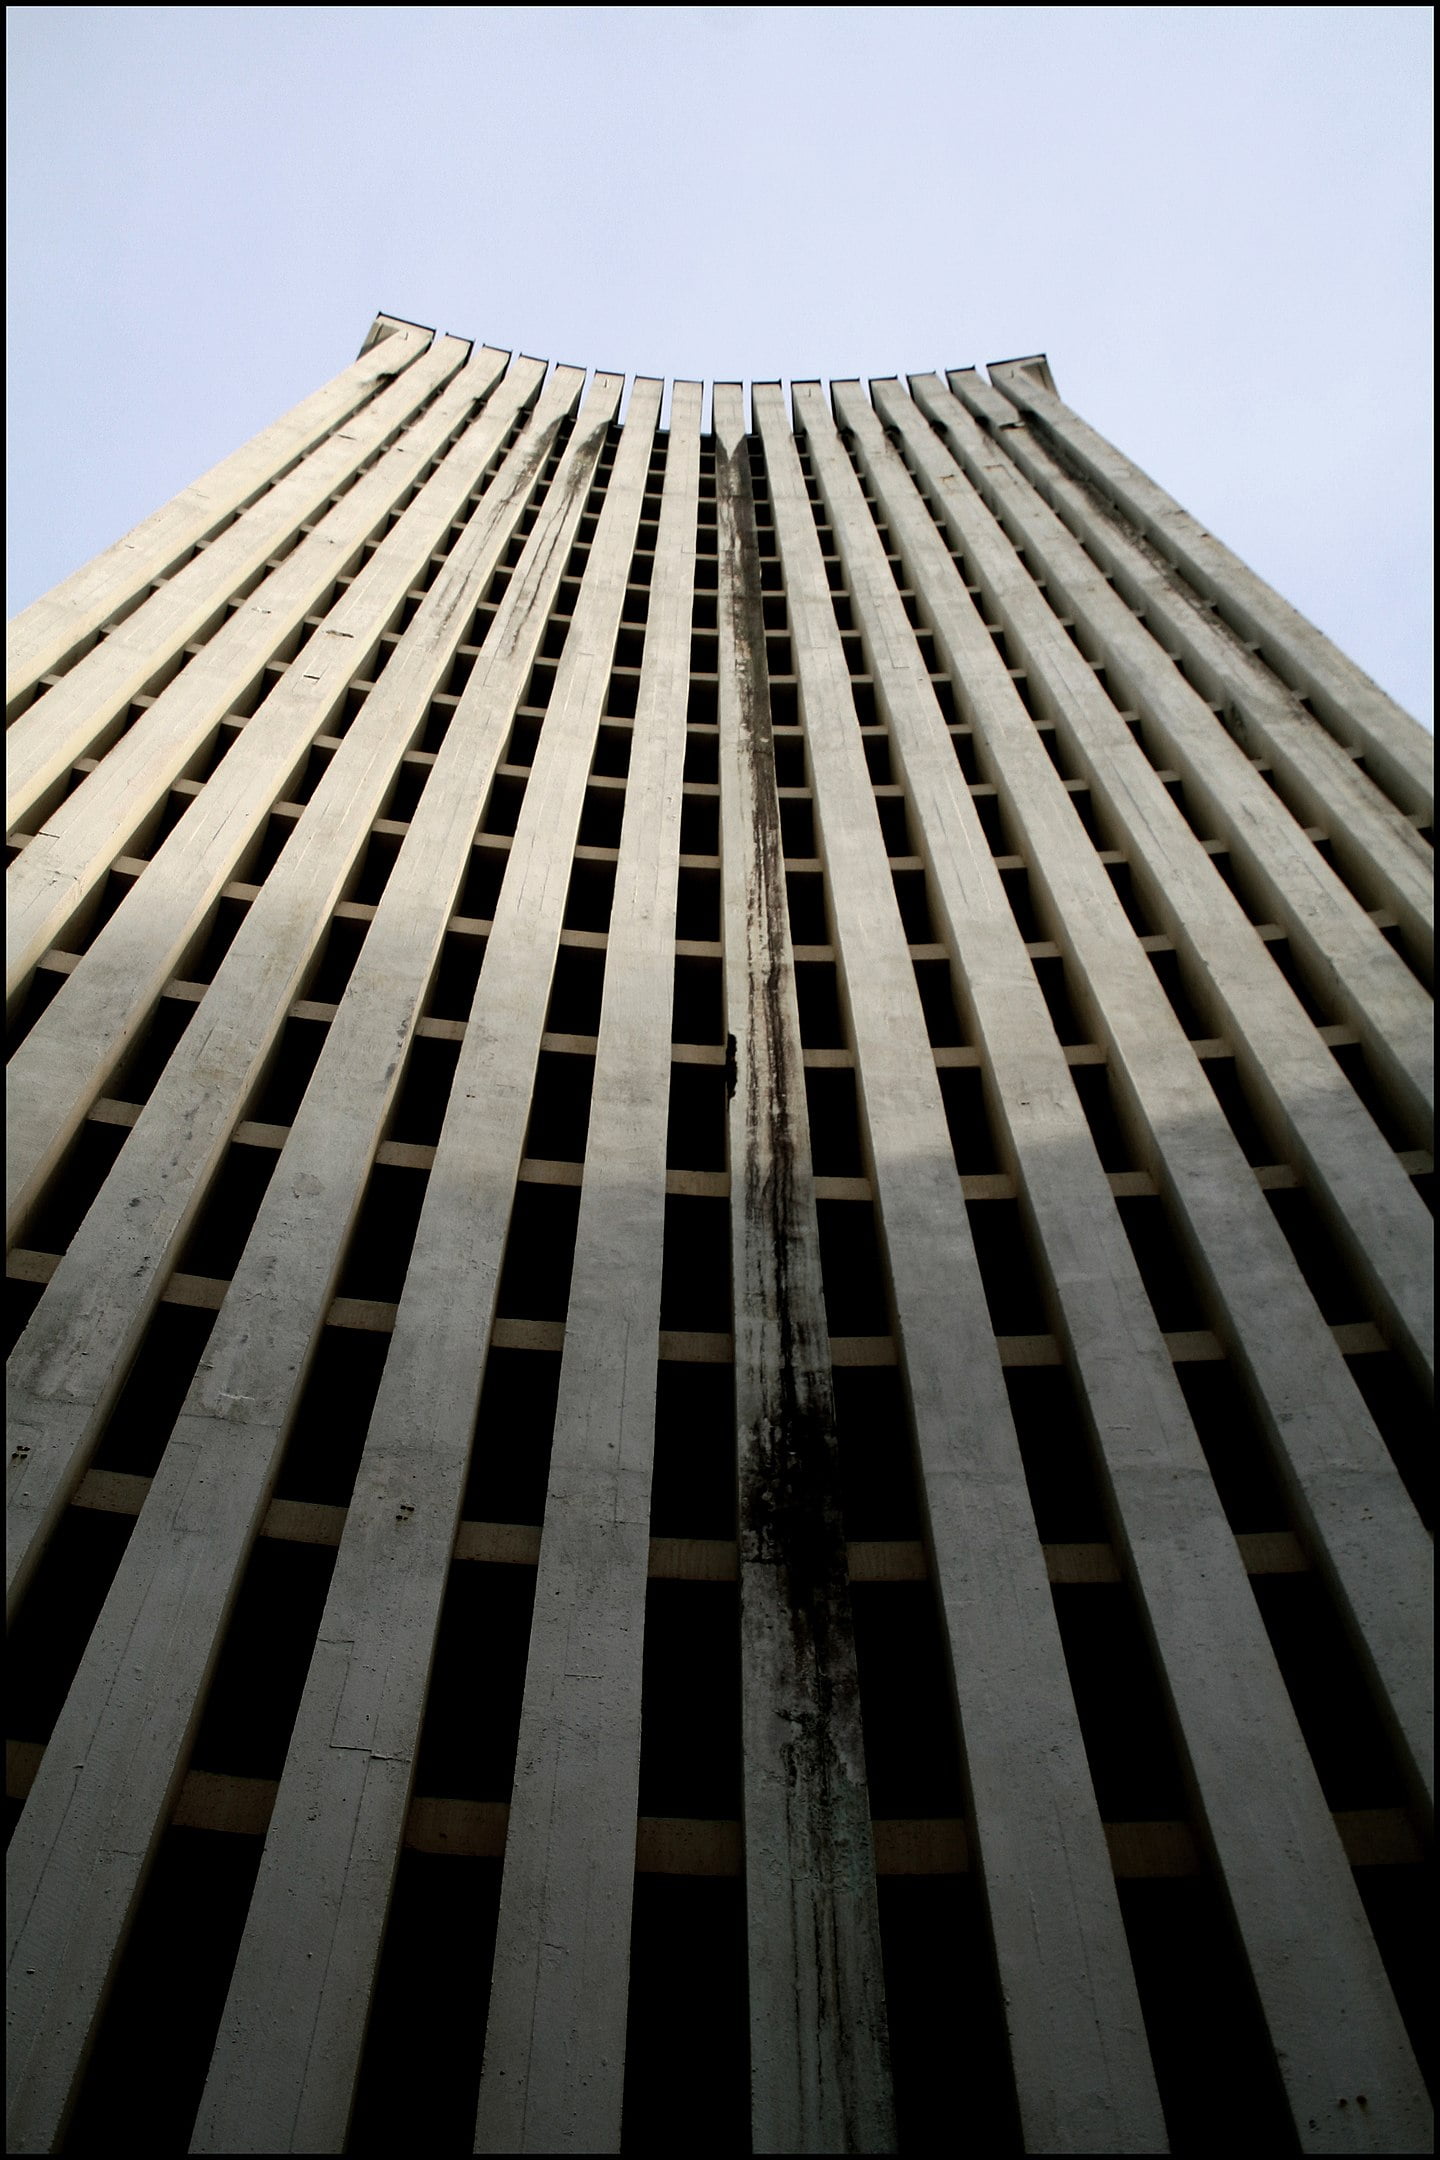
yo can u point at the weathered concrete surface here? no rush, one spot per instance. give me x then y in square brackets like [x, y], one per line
[1321, 1984]
[71, 1361]
[69, 720]
[554, 2072]
[1356, 711]
[1380, 853]
[1352, 967]
[819, 2064]
[282, 2076]
[45, 635]
[1348, 1497]
[65, 1061]
[1082, 2069]
[1365, 1192]
[138, 1695]
[83, 835]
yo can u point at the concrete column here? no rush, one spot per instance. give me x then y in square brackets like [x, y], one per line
[1082, 2068]
[1364, 1191]
[1348, 1499]
[82, 836]
[70, 1364]
[47, 634]
[819, 2061]
[555, 2044]
[1381, 855]
[1356, 711]
[1336, 945]
[283, 2072]
[70, 719]
[134, 1706]
[1321, 1984]
[64, 1062]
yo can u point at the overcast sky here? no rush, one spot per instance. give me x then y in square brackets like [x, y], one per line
[1214, 220]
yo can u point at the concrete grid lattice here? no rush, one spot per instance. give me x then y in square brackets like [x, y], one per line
[721, 1353]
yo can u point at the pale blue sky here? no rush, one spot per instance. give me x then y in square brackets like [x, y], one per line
[1214, 220]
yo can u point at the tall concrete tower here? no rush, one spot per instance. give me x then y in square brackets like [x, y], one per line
[719, 1398]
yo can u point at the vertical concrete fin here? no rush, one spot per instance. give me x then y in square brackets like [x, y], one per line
[334, 1830]
[554, 2073]
[819, 2063]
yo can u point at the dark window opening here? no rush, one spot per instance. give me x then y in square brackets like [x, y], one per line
[1200, 2010]
[1011, 1280]
[509, 1473]
[894, 824]
[962, 1090]
[139, 1073]
[419, 1110]
[576, 992]
[452, 987]
[1332, 1285]
[601, 817]
[1164, 1270]
[700, 825]
[937, 998]
[693, 1489]
[702, 758]
[612, 752]
[484, 875]
[790, 761]
[699, 1104]
[57, 1617]
[373, 874]
[1396, 1403]
[805, 893]
[1344, 1733]
[1092, 1084]
[912, 1757]
[591, 895]
[477, 1685]
[914, 902]
[1224, 1077]
[1235, 1447]
[539, 1253]
[697, 911]
[502, 810]
[817, 995]
[852, 1270]
[220, 1231]
[940, 1981]
[1056, 1452]
[877, 758]
[260, 1675]
[690, 1696]
[419, 2076]
[878, 1491]
[695, 1282]
[332, 1417]
[146, 2076]
[72, 1191]
[335, 963]
[1167, 969]
[834, 1117]
[1133, 1763]
[688, 2029]
[699, 1008]
[384, 1233]
[560, 1107]
[797, 827]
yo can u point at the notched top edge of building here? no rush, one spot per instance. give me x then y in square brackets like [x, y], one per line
[721, 1369]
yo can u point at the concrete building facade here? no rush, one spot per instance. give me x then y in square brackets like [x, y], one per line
[720, 1281]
